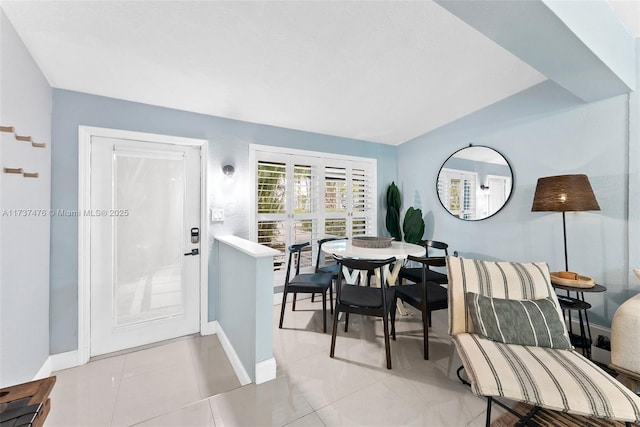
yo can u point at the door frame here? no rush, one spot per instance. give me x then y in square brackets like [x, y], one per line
[85, 133]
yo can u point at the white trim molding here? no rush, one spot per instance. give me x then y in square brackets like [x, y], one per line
[66, 360]
[266, 370]
[45, 370]
[85, 133]
[238, 367]
[209, 328]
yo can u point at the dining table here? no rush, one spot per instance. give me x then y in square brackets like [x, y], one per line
[399, 250]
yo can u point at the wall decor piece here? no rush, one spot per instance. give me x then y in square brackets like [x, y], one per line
[11, 129]
[475, 183]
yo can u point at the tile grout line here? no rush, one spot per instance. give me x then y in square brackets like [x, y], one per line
[115, 401]
[192, 357]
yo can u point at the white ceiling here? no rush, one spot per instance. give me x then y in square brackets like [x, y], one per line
[629, 13]
[380, 71]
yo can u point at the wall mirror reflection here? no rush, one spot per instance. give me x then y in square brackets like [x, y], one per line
[474, 183]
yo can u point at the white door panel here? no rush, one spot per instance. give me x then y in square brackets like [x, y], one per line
[145, 198]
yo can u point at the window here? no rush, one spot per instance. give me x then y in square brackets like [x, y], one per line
[303, 196]
[456, 190]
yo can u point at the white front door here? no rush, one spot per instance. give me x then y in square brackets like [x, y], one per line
[144, 252]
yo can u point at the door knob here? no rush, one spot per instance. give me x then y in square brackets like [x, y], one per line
[195, 251]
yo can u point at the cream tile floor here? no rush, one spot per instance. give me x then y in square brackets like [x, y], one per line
[190, 382]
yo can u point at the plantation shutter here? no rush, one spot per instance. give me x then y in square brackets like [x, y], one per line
[335, 201]
[363, 201]
[272, 208]
[304, 196]
[304, 187]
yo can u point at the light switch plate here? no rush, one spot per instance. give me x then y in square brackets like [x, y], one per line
[216, 215]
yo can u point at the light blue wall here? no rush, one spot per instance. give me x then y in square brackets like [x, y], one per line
[237, 293]
[542, 131]
[25, 104]
[245, 295]
[228, 143]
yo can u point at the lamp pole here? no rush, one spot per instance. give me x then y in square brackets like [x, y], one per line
[564, 233]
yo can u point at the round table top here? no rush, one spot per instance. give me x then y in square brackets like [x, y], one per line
[399, 250]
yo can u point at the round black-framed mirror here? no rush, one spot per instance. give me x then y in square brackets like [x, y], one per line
[474, 183]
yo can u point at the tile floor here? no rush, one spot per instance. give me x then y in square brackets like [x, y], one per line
[190, 382]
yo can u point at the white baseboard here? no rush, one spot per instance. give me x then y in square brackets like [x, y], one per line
[66, 360]
[45, 370]
[239, 369]
[209, 328]
[266, 370]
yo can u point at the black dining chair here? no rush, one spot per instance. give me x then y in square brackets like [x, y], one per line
[364, 300]
[425, 295]
[414, 274]
[308, 283]
[322, 266]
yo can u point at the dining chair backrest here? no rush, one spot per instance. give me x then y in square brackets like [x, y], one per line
[319, 254]
[434, 244]
[369, 265]
[294, 257]
[427, 261]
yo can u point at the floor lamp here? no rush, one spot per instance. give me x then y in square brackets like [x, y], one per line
[564, 193]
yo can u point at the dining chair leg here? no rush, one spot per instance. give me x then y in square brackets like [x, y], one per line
[324, 311]
[313, 296]
[334, 331]
[387, 344]
[426, 318]
[331, 297]
[295, 295]
[284, 303]
[393, 321]
[346, 321]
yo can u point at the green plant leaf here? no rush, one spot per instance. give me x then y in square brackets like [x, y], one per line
[393, 223]
[393, 211]
[393, 196]
[413, 225]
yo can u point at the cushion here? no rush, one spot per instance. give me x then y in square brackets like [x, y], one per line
[523, 322]
[561, 380]
[508, 280]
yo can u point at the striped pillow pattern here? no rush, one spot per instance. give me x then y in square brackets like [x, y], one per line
[560, 380]
[523, 322]
[508, 280]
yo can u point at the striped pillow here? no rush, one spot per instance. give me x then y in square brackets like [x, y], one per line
[522, 322]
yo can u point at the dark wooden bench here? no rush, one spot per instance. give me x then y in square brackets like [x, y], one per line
[26, 404]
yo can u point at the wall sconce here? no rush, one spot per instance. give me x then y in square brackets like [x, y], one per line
[228, 170]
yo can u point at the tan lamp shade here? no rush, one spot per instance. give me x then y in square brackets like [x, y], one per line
[564, 193]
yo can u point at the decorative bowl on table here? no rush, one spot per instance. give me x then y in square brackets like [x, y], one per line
[569, 278]
[372, 242]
